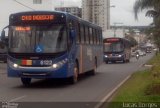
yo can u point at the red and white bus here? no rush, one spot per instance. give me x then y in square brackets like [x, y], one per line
[117, 49]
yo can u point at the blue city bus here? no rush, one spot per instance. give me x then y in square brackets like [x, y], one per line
[51, 44]
[117, 49]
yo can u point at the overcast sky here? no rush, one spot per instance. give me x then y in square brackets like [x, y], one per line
[122, 13]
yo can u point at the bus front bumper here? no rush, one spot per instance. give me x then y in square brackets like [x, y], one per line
[115, 58]
[39, 72]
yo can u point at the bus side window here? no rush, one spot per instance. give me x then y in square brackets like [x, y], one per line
[89, 39]
[96, 36]
[101, 37]
[94, 40]
[82, 33]
[86, 35]
[70, 25]
[91, 35]
[79, 32]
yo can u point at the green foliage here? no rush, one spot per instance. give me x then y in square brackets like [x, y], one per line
[143, 86]
[147, 4]
[132, 40]
[156, 74]
[130, 92]
[153, 7]
[134, 91]
[154, 88]
[155, 60]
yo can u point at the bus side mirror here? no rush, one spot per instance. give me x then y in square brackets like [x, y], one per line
[3, 35]
[72, 34]
[4, 39]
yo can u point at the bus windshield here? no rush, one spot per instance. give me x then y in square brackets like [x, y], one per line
[113, 47]
[27, 39]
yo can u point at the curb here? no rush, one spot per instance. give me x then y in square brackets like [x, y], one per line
[111, 93]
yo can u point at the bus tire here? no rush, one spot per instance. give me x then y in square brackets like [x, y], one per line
[124, 61]
[128, 60]
[26, 81]
[74, 78]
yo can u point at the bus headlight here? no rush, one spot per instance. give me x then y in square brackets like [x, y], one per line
[105, 56]
[59, 64]
[119, 55]
[12, 64]
[15, 65]
[55, 65]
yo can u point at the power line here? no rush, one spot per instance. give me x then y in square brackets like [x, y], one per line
[23, 5]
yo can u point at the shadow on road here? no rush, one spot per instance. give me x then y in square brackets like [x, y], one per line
[55, 83]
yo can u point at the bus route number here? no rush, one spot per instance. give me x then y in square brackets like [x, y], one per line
[46, 62]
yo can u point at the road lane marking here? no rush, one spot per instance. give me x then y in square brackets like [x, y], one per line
[18, 98]
[111, 93]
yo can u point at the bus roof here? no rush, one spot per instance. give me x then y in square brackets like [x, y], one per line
[68, 15]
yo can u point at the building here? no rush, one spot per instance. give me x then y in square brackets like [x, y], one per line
[14, 6]
[97, 11]
[73, 10]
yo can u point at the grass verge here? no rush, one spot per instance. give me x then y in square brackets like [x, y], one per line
[142, 90]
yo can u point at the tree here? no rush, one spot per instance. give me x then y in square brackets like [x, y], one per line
[153, 7]
[132, 40]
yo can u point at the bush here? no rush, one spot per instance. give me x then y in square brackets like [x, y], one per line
[154, 88]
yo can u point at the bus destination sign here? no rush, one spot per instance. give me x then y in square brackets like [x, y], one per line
[112, 40]
[37, 17]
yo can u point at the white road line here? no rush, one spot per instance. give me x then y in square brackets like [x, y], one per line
[18, 98]
[111, 93]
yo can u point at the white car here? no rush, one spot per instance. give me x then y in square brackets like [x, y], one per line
[140, 52]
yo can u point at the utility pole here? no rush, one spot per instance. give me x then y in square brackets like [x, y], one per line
[24, 5]
[116, 28]
[62, 3]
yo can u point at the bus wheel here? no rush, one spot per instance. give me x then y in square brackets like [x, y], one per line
[74, 78]
[124, 61]
[26, 81]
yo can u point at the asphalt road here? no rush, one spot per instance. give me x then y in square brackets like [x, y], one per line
[88, 89]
